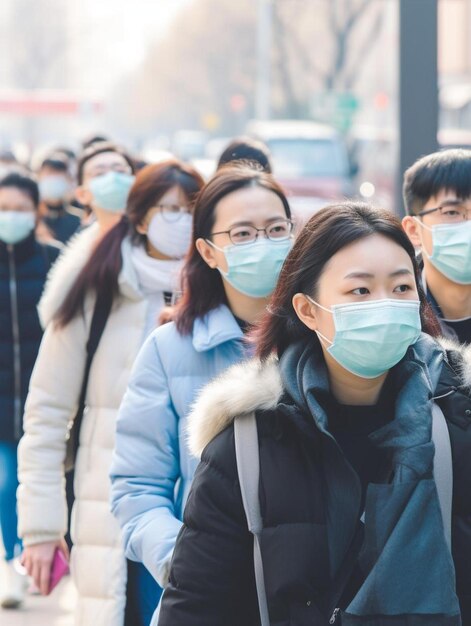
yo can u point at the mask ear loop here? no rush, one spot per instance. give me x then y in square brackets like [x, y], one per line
[318, 333]
[213, 245]
[424, 251]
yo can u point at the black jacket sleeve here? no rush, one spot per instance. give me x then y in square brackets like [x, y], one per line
[212, 575]
[461, 532]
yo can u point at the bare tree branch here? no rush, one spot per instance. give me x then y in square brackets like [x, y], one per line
[352, 75]
[301, 52]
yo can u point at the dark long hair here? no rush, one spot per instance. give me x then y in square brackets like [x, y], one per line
[202, 286]
[100, 273]
[327, 232]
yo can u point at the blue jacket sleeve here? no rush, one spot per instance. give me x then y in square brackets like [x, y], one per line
[146, 465]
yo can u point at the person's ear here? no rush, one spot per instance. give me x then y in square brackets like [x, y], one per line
[84, 195]
[412, 227]
[143, 227]
[305, 310]
[207, 252]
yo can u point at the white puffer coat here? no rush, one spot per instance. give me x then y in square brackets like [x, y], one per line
[97, 563]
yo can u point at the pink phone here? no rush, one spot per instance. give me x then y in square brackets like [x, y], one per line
[59, 568]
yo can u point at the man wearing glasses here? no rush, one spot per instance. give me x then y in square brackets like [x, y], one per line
[437, 196]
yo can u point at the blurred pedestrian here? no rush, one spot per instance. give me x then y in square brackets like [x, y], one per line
[336, 414]
[56, 188]
[126, 271]
[241, 236]
[24, 264]
[94, 138]
[437, 196]
[123, 282]
[247, 151]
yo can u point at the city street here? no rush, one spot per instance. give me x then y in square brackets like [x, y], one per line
[55, 610]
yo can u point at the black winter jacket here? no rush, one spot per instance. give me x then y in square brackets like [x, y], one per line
[23, 271]
[63, 223]
[212, 574]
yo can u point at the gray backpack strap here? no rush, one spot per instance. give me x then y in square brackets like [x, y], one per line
[443, 468]
[248, 469]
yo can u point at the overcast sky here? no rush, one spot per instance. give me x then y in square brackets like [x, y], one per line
[111, 37]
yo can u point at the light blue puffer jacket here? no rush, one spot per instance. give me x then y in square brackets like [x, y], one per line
[152, 469]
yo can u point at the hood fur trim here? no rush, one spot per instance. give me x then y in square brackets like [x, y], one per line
[65, 271]
[464, 364]
[252, 386]
[243, 388]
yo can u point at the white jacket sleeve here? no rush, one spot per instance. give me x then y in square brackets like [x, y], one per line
[52, 402]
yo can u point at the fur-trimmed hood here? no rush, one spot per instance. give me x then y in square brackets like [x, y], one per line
[65, 271]
[253, 385]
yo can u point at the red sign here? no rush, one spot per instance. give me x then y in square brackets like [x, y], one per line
[31, 103]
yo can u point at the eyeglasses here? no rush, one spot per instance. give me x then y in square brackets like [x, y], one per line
[450, 212]
[172, 212]
[120, 168]
[277, 231]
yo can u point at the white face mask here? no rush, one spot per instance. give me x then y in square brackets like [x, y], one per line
[16, 225]
[451, 250]
[171, 238]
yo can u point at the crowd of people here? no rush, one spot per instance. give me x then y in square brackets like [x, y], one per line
[239, 421]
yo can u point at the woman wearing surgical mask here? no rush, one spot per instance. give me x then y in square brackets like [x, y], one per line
[241, 236]
[24, 264]
[124, 283]
[326, 437]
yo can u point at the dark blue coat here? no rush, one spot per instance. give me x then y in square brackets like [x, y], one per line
[23, 271]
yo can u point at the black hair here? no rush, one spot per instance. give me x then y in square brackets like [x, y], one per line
[250, 151]
[25, 184]
[91, 139]
[100, 148]
[447, 170]
[55, 163]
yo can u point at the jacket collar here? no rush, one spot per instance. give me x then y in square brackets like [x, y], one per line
[215, 328]
[254, 385]
[22, 250]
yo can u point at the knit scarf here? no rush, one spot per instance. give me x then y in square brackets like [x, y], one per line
[155, 275]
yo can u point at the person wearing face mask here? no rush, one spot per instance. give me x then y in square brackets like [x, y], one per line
[95, 162]
[24, 264]
[340, 443]
[55, 189]
[241, 236]
[124, 283]
[437, 196]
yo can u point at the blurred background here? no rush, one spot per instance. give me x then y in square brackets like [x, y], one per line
[184, 76]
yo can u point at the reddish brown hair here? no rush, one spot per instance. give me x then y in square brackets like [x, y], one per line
[100, 274]
[203, 288]
[327, 232]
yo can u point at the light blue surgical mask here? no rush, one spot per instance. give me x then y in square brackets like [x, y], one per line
[371, 337]
[53, 188]
[110, 191]
[16, 225]
[253, 268]
[451, 253]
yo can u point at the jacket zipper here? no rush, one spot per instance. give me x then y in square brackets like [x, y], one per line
[333, 619]
[16, 341]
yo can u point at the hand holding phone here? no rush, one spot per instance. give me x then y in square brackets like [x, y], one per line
[59, 568]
